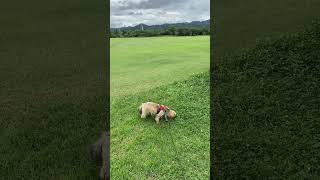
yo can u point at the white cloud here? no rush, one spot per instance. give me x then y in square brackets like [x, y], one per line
[150, 12]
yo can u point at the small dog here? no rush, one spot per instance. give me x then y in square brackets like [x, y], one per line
[156, 110]
[99, 152]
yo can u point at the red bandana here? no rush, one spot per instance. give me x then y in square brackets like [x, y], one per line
[162, 107]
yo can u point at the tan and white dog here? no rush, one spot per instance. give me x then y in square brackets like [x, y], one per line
[156, 110]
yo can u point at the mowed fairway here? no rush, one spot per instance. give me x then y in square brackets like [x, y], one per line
[160, 69]
[139, 64]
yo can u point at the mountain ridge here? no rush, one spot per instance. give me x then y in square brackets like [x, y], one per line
[192, 24]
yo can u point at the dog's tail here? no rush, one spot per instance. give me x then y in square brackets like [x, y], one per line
[140, 110]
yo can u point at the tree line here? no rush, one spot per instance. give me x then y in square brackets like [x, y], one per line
[172, 31]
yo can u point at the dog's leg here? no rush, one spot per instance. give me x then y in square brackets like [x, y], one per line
[158, 116]
[143, 112]
[143, 115]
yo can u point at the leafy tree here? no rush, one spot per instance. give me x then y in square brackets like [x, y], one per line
[172, 30]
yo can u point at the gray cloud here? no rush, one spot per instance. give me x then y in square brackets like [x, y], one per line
[133, 12]
[148, 4]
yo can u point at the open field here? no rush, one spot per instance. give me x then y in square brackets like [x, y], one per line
[139, 64]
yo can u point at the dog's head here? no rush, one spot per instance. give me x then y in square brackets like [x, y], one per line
[171, 114]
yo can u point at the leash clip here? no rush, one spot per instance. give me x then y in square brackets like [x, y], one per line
[165, 114]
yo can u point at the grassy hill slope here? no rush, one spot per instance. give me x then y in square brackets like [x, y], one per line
[141, 149]
[266, 109]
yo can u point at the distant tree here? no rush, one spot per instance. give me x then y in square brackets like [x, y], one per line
[172, 30]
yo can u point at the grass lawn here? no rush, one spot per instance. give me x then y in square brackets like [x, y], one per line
[145, 69]
[141, 149]
[139, 64]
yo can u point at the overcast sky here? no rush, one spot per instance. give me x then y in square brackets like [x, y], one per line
[151, 12]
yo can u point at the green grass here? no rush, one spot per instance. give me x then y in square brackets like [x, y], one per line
[141, 149]
[266, 110]
[145, 69]
[139, 64]
[52, 88]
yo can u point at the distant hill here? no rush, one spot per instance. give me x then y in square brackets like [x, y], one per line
[193, 24]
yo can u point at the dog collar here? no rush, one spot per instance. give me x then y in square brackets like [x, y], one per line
[165, 109]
